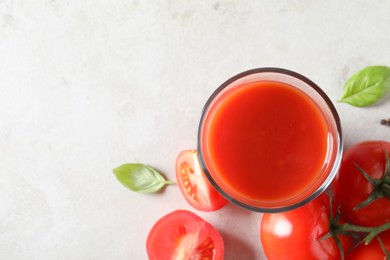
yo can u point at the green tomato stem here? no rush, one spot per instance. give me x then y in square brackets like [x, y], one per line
[386, 190]
[381, 186]
[372, 231]
[383, 247]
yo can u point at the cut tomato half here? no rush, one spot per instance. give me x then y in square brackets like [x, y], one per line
[194, 184]
[184, 235]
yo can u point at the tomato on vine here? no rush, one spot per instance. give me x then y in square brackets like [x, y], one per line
[304, 233]
[377, 249]
[361, 189]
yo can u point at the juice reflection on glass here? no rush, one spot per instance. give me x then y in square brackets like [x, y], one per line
[269, 140]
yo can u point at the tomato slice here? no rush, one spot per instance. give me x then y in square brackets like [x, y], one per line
[184, 235]
[194, 184]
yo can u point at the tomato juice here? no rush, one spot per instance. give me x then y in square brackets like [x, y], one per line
[267, 141]
[267, 144]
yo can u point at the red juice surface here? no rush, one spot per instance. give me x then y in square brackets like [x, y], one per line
[265, 141]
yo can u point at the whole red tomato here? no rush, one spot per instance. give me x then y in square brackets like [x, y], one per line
[297, 234]
[372, 251]
[350, 188]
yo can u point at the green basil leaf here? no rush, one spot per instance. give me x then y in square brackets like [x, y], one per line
[367, 86]
[140, 177]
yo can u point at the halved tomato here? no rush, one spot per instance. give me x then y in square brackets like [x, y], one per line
[194, 184]
[184, 235]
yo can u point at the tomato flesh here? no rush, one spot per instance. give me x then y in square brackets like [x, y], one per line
[194, 185]
[297, 234]
[184, 235]
[350, 188]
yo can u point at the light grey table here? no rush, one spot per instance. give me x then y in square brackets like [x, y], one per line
[88, 85]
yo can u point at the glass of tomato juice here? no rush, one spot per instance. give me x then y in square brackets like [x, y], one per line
[269, 140]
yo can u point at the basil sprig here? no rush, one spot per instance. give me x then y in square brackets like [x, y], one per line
[140, 177]
[367, 86]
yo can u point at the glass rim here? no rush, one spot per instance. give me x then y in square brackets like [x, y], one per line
[338, 150]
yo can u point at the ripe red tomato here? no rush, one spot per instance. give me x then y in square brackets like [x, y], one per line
[194, 184]
[350, 188]
[297, 234]
[184, 235]
[372, 251]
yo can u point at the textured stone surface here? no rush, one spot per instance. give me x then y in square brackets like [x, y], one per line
[88, 85]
